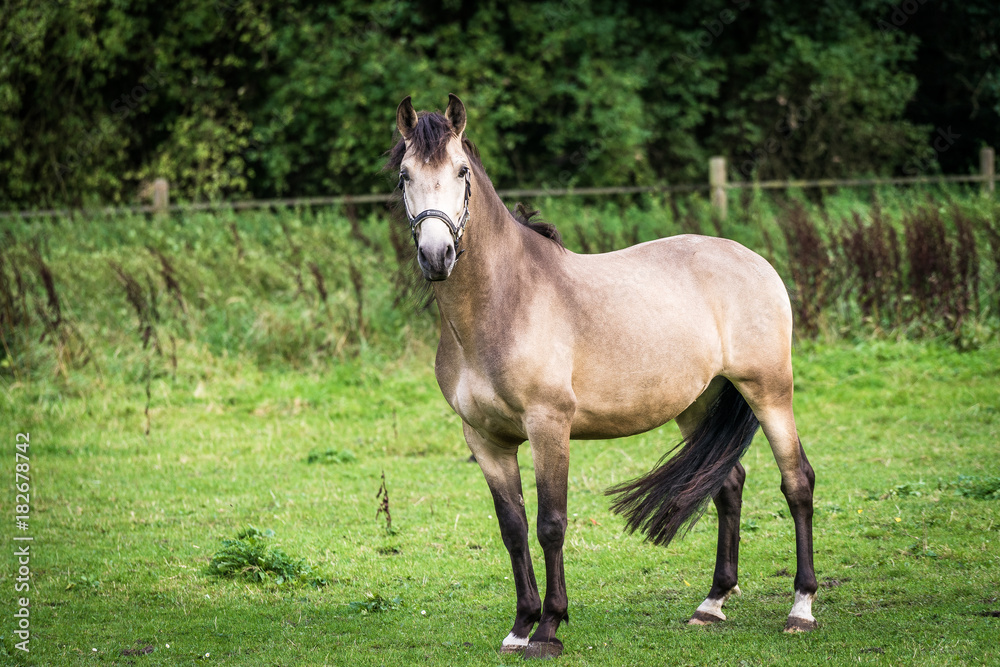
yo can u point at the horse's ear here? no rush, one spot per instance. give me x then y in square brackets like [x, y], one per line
[406, 117]
[456, 114]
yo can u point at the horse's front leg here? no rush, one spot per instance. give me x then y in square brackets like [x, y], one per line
[499, 466]
[550, 452]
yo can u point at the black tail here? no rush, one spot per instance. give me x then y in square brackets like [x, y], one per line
[677, 490]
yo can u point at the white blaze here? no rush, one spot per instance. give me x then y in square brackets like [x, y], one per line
[433, 233]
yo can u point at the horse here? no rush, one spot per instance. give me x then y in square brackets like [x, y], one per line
[544, 345]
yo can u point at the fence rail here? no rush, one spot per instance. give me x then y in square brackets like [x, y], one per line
[718, 186]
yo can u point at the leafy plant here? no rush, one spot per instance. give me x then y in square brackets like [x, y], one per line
[375, 603]
[981, 488]
[915, 489]
[328, 456]
[83, 582]
[251, 556]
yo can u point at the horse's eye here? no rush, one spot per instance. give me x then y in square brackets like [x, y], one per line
[463, 172]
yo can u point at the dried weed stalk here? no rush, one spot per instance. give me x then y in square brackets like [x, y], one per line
[383, 507]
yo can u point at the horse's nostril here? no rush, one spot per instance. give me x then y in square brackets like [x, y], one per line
[421, 257]
[449, 254]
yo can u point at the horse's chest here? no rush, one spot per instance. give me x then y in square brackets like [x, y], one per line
[476, 400]
[474, 395]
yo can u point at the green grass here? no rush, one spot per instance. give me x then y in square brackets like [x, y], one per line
[125, 525]
[279, 405]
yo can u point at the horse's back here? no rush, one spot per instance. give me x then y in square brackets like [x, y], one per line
[708, 260]
[690, 281]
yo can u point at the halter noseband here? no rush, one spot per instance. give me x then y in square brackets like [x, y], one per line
[456, 230]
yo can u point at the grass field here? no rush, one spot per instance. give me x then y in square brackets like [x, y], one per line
[278, 405]
[125, 524]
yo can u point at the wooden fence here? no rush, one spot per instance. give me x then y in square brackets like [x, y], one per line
[718, 187]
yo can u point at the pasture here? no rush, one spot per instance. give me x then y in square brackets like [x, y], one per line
[196, 377]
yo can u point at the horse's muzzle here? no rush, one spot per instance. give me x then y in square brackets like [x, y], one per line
[437, 261]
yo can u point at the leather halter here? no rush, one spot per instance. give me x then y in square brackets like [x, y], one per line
[456, 229]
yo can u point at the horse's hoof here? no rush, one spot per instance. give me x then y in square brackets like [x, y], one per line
[514, 644]
[543, 650]
[704, 618]
[796, 624]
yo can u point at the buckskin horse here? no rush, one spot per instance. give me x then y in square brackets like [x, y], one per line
[542, 344]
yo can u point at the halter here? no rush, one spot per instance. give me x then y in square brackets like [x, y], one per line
[456, 230]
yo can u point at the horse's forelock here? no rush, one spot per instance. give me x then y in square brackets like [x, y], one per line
[428, 141]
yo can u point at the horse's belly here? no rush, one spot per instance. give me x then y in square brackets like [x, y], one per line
[614, 410]
[637, 384]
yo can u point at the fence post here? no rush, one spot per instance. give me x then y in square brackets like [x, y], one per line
[717, 181]
[161, 196]
[987, 167]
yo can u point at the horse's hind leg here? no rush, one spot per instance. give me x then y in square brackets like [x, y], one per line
[799, 495]
[774, 410]
[728, 502]
[499, 466]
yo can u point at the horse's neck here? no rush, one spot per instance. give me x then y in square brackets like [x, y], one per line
[493, 248]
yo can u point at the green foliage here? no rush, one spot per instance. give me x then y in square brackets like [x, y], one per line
[142, 90]
[232, 98]
[274, 289]
[830, 107]
[909, 489]
[331, 456]
[83, 583]
[929, 269]
[153, 298]
[374, 603]
[915, 489]
[252, 557]
[978, 487]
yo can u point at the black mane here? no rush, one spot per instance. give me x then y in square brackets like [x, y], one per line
[429, 141]
[546, 229]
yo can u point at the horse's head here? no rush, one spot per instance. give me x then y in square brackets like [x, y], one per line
[435, 177]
